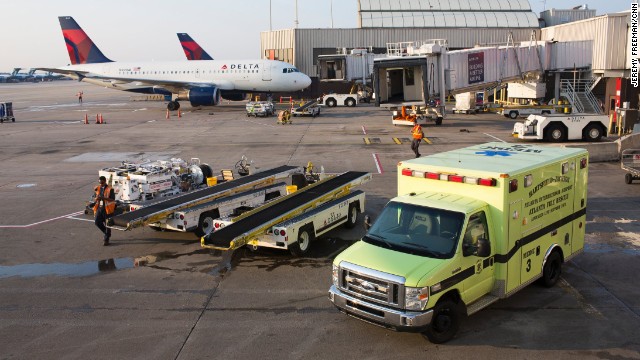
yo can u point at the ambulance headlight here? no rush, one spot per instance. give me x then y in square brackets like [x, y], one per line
[415, 298]
[334, 275]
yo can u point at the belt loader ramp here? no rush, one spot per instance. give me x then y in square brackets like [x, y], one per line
[320, 201]
[160, 210]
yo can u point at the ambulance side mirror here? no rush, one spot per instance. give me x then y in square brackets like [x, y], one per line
[367, 222]
[484, 248]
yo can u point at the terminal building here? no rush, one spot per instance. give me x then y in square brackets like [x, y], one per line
[322, 53]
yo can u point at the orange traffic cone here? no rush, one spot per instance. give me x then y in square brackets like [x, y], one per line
[97, 119]
[168, 116]
[101, 119]
[86, 119]
[179, 113]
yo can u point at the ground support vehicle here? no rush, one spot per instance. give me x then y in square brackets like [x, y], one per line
[294, 221]
[135, 183]
[469, 227]
[6, 112]
[309, 108]
[630, 163]
[260, 108]
[513, 111]
[556, 128]
[202, 202]
[333, 100]
[466, 103]
[418, 113]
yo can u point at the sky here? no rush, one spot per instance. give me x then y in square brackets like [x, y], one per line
[145, 30]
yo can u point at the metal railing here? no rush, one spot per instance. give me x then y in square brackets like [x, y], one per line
[578, 92]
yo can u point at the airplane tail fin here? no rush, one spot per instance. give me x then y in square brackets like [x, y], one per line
[15, 71]
[80, 47]
[192, 50]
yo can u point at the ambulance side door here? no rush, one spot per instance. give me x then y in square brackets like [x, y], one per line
[477, 253]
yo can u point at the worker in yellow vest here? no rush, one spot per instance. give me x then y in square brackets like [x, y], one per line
[417, 134]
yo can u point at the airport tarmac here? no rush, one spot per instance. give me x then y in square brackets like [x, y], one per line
[159, 295]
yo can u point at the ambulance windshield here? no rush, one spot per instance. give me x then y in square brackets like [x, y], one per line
[417, 230]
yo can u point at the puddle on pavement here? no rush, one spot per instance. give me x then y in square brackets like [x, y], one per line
[86, 268]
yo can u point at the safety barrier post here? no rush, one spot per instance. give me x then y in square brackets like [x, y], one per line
[179, 113]
[101, 119]
[97, 119]
[86, 118]
[168, 115]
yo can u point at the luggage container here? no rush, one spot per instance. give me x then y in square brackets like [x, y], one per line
[6, 112]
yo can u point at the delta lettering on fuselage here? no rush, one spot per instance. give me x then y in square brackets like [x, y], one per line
[241, 66]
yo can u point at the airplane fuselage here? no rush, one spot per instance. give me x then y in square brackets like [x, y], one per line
[237, 75]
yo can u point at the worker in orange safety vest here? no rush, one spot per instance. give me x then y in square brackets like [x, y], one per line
[103, 208]
[417, 134]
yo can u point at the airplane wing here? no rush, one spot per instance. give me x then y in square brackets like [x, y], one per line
[170, 85]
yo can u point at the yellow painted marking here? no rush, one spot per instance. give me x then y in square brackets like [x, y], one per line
[367, 141]
[397, 141]
[426, 140]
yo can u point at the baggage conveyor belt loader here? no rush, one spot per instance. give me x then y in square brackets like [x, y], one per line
[294, 221]
[201, 201]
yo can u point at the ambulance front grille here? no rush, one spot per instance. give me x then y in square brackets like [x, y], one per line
[372, 285]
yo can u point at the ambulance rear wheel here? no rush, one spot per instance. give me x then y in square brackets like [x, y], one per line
[445, 322]
[352, 217]
[552, 269]
[303, 244]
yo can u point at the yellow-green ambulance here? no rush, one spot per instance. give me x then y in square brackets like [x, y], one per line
[469, 227]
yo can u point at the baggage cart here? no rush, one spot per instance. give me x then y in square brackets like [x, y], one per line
[6, 112]
[630, 162]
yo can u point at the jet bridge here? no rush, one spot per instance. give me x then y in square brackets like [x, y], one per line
[159, 210]
[420, 73]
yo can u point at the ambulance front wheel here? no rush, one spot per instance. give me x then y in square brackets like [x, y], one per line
[552, 269]
[303, 244]
[445, 322]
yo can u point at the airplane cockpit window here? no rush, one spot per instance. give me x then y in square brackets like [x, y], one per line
[290, 70]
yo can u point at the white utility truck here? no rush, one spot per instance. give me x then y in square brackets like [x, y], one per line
[469, 227]
[556, 128]
[333, 100]
[515, 111]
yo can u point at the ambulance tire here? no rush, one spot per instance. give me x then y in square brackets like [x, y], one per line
[445, 322]
[352, 217]
[628, 178]
[552, 269]
[513, 114]
[205, 223]
[303, 244]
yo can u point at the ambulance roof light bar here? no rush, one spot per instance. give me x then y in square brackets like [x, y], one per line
[449, 177]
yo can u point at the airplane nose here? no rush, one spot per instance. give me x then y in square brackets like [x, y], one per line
[306, 81]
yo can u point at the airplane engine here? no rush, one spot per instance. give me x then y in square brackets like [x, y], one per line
[204, 96]
[233, 96]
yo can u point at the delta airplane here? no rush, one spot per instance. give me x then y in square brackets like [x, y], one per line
[192, 50]
[202, 83]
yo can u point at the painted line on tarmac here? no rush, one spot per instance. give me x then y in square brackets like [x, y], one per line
[41, 222]
[364, 130]
[376, 159]
[81, 219]
[491, 136]
[425, 139]
[259, 123]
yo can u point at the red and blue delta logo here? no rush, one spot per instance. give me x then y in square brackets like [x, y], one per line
[224, 67]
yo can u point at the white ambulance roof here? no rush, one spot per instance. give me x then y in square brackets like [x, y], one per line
[495, 158]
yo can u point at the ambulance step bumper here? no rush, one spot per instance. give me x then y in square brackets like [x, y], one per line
[410, 321]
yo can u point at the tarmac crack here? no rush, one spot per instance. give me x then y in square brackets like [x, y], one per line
[300, 141]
